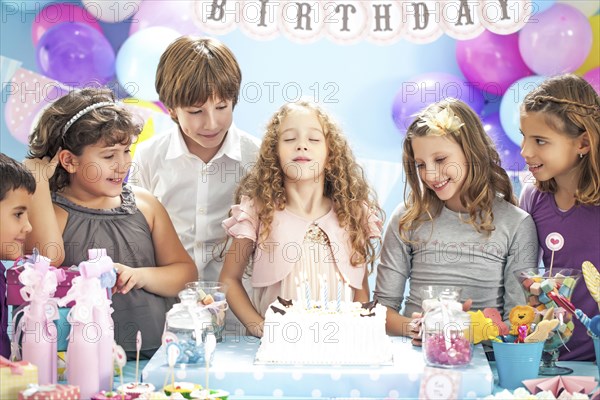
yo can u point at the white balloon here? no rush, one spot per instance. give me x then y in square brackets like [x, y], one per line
[587, 7]
[112, 10]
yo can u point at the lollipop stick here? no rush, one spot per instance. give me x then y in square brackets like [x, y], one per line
[122, 385]
[551, 262]
[207, 375]
[138, 346]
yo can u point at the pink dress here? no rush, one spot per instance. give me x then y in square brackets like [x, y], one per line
[300, 256]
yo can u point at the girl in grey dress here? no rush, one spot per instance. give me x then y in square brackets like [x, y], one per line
[80, 155]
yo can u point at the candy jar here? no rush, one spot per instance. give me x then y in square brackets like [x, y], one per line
[187, 325]
[445, 334]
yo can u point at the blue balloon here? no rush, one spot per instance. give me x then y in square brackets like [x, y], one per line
[138, 58]
[510, 153]
[539, 6]
[76, 54]
[420, 91]
[510, 106]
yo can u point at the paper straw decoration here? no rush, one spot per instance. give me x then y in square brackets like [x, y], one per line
[554, 242]
[173, 352]
[209, 348]
[120, 359]
[138, 346]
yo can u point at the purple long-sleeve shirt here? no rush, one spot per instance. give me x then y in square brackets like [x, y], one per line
[580, 228]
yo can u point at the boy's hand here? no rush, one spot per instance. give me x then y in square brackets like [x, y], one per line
[417, 319]
[42, 168]
[128, 278]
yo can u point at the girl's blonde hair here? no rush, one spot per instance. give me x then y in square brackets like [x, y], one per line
[345, 184]
[110, 124]
[571, 105]
[485, 178]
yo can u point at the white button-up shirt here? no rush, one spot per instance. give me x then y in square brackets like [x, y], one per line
[197, 195]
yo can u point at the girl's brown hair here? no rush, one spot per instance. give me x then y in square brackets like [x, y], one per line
[571, 105]
[345, 184]
[485, 178]
[110, 124]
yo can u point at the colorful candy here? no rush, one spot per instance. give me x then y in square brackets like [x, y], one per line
[437, 352]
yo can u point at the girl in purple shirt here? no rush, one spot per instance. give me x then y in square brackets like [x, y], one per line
[560, 123]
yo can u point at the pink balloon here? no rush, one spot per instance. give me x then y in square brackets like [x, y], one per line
[492, 61]
[558, 41]
[57, 13]
[593, 77]
[28, 94]
[175, 15]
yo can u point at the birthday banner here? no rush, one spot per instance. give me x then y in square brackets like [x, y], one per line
[351, 21]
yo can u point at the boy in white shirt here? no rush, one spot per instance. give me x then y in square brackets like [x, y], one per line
[194, 169]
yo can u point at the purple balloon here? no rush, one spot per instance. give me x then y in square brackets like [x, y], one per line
[422, 90]
[491, 61]
[510, 153]
[558, 42]
[76, 54]
[175, 14]
[593, 77]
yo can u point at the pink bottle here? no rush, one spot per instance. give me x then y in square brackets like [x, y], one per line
[39, 332]
[89, 354]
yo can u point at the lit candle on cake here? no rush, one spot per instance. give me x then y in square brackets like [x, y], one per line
[298, 290]
[307, 293]
[325, 291]
[347, 292]
[339, 294]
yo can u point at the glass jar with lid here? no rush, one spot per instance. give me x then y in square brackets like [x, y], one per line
[187, 325]
[445, 329]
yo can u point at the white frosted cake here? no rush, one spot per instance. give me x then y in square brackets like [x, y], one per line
[354, 334]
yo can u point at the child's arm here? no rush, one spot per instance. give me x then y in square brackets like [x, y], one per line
[44, 217]
[363, 294]
[522, 256]
[235, 263]
[174, 267]
[392, 273]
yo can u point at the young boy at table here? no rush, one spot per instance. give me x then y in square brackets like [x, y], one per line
[16, 190]
[194, 169]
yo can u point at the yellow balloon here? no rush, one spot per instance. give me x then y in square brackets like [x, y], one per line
[593, 59]
[146, 133]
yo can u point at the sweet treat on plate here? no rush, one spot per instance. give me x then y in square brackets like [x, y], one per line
[210, 394]
[183, 388]
[105, 395]
[160, 396]
[325, 333]
[135, 389]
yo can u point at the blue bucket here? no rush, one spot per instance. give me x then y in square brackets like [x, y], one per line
[517, 362]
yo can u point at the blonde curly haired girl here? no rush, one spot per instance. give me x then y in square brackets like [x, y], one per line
[305, 218]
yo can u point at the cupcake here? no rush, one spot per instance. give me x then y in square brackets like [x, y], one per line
[209, 394]
[183, 388]
[160, 396]
[135, 389]
[103, 395]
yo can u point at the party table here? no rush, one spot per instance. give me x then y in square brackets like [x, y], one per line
[234, 370]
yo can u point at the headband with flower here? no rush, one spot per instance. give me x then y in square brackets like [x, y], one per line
[441, 123]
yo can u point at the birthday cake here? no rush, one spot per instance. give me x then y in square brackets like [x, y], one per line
[331, 333]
